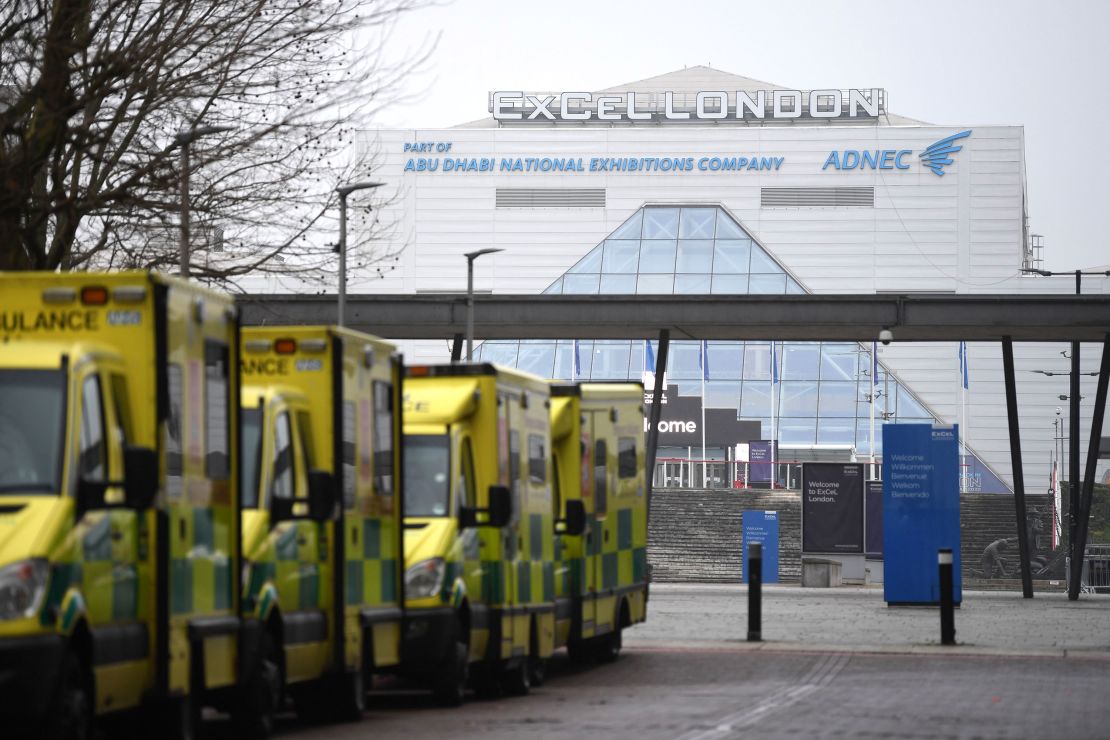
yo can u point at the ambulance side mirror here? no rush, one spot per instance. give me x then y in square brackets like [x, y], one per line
[140, 474]
[574, 523]
[321, 495]
[500, 506]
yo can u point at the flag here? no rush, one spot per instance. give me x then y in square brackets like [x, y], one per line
[874, 362]
[649, 357]
[577, 360]
[963, 364]
[703, 360]
[774, 365]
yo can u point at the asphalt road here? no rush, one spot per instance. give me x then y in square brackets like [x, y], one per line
[684, 675]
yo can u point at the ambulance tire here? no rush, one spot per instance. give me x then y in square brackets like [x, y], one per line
[607, 648]
[254, 714]
[517, 679]
[449, 686]
[70, 716]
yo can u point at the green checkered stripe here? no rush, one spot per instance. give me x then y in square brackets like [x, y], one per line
[623, 562]
[94, 568]
[200, 584]
[371, 578]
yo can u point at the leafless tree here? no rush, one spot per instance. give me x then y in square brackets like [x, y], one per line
[94, 92]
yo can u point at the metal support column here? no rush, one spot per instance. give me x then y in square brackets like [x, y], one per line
[656, 411]
[1084, 509]
[456, 348]
[1073, 460]
[1015, 458]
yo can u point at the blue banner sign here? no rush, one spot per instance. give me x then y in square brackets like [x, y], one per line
[762, 527]
[760, 454]
[921, 511]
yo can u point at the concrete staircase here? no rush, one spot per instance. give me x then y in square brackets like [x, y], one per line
[694, 535]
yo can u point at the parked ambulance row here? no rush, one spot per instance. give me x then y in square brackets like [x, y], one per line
[197, 514]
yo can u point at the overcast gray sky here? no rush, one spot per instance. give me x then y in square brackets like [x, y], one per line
[1041, 65]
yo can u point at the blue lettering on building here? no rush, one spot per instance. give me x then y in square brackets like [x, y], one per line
[878, 159]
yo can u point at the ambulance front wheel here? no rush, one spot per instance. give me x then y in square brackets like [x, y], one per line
[609, 646]
[449, 686]
[71, 716]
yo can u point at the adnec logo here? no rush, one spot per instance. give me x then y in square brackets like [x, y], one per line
[935, 157]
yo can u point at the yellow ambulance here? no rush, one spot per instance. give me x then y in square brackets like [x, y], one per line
[479, 578]
[322, 510]
[119, 505]
[599, 455]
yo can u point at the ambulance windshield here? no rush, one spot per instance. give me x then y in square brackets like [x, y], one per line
[427, 469]
[32, 430]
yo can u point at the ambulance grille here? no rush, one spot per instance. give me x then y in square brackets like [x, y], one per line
[550, 198]
[862, 197]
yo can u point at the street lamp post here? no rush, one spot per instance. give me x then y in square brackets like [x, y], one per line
[183, 139]
[470, 257]
[341, 247]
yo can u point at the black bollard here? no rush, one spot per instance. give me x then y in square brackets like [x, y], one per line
[947, 617]
[755, 587]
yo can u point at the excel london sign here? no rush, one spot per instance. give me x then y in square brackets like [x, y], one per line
[709, 105]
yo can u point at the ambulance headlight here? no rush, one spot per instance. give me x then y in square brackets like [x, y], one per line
[22, 588]
[424, 579]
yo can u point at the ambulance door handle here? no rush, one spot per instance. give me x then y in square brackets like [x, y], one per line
[181, 529]
[116, 535]
[607, 535]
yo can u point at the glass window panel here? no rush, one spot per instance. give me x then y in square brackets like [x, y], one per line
[793, 288]
[657, 256]
[610, 361]
[730, 284]
[537, 358]
[655, 284]
[838, 398]
[630, 229]
[697, 223]
[757, 361]
[564, 362]
[798, 398]
[909, 408]
[579, 284]
[620, 256]
[618, 283]
[691, 284]
[660, 223]
[767, 284]
[556, 287]
[590, 263]
[731, 255]
[722, 394]
[800, 361]
[755, 401]
[863, 438]
[762, 262]
[636, 360]
[797, 432]
[727, 228]
[695, 255]
[726, 360]
[682, 362]
[836, 431]
[501, 351]
[840, 361]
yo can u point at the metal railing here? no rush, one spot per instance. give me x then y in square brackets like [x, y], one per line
[681, 472]
[1096, 570]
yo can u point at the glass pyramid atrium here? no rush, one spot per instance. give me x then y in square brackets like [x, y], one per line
[825, 387]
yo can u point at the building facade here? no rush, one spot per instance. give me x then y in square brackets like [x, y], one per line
[700, 181]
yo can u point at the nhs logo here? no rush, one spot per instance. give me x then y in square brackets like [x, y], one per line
[935, 157]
